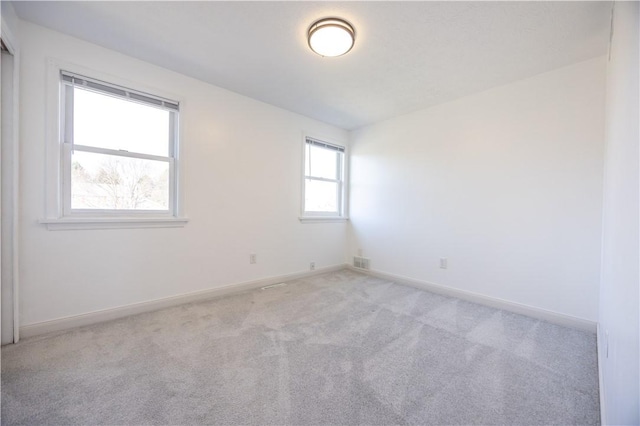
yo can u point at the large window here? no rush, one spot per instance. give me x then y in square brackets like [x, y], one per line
[323, 179]
[118, 150]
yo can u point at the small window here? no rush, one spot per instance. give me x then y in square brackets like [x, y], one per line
[119, 150]
[323, 179]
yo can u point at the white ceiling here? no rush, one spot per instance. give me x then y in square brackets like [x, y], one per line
[407, 56]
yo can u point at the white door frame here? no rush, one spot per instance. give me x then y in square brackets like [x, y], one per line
[10, 42]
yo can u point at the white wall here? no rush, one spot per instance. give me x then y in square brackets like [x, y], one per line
[619, 293]
[242, 162]
[507, 184]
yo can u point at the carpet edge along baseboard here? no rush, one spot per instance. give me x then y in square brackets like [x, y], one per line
[66, 323]
[108, 314]
[506, 305]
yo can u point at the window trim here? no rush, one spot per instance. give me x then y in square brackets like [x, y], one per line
[343, 186]
[57, 209]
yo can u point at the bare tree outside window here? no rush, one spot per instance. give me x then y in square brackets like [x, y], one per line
[119, 183]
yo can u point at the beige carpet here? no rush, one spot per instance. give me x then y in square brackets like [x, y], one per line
[339, 348]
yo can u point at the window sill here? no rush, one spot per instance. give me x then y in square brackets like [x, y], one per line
[319, 219]
[64, 224]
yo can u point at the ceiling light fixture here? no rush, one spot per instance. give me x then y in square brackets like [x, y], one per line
[331, 37]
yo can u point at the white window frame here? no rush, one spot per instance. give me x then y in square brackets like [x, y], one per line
[59, 214]
[342, 187]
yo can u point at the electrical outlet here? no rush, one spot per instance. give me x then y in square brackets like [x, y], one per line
[312, 266]
[443, 263]
[253, 258]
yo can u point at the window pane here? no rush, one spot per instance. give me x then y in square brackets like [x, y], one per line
[321, 162]
[105, 121]
[112, 182]
[320, 196]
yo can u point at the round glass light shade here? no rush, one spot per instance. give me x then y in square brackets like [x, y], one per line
[331, 37]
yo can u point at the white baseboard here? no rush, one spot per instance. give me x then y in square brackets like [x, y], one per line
[66, 323]
[60, 324]
[600, 346]
[518, 308]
